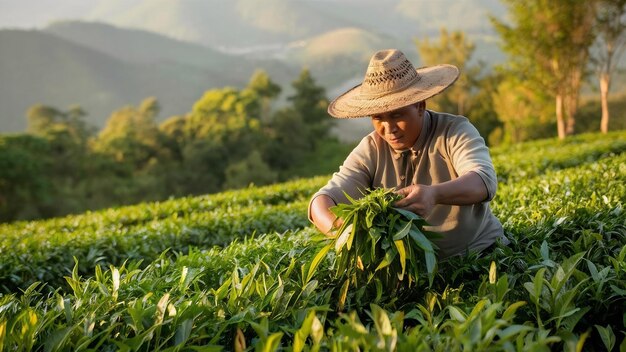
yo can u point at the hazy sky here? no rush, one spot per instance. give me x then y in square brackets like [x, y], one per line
[38, 13]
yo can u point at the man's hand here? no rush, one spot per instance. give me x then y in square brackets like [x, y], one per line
[419, 199]
[322, 217]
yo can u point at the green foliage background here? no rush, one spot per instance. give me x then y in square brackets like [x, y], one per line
[230, 139]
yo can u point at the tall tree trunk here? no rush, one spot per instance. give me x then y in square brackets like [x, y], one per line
[570, 105]
[560, 122]
[605, 83]
[571, 98]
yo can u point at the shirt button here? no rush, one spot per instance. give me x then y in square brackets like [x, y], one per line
[402, 178]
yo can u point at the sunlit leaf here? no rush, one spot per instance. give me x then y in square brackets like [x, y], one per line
[401, 251]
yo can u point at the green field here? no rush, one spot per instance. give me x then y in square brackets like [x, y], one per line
[239, 271]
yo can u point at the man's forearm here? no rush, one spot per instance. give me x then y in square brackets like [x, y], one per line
[465, 190]
[321, 215]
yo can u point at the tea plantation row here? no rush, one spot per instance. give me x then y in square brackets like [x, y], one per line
[44, 250]
[561, 284]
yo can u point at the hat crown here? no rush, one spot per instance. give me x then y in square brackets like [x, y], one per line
[389, 71]
[390, 83]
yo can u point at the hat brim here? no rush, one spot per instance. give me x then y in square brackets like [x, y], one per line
[433, 80]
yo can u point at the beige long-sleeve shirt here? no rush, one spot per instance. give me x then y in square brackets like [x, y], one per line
[448, 147]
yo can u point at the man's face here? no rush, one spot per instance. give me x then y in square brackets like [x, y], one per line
[401, 127]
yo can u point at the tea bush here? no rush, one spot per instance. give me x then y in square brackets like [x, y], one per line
[559, 285]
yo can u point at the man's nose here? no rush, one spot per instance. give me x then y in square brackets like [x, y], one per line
[390, 126]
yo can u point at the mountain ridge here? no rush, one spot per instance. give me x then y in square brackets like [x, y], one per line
[177, 49]
[102, 68]
[38, 67]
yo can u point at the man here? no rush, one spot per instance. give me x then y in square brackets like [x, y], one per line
[437, 161]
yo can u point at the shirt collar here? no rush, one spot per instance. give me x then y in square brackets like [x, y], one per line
[419, 143]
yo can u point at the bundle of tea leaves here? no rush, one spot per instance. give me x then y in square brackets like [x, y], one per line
[380, 244]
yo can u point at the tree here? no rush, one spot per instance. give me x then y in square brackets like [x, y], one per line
[310, 102]
[453, 48]
[24, 178]
[229, 118]
[222, 111]
[67, 135]
[523, 111]
[266, 89]
[50, 122]
[611, 41]
[221, 130]
[128, 154]
[471, 95]
[131, 135]
[548, 44]
[42, 119]
[202, 168]
[173, 132]
[251, 170]
[482, 111]
[288, 139]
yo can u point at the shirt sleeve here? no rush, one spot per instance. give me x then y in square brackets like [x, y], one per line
[469, 153]
[354, 176]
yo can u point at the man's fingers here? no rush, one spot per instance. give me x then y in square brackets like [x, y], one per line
[401, 203]
[404, 203]
[403, 191]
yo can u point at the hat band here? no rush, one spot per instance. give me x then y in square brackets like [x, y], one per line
[387, 91]
[378, 83]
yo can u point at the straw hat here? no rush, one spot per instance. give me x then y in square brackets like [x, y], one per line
[391, 82]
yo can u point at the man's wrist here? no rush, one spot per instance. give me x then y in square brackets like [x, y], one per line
[437, 194]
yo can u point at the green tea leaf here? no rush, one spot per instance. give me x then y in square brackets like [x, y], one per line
[421, 240]
[512, 331]
[403, 232]
[431, 263]
[381, 320]
[407, 214]
[400, 246]
[509, 312]
[343, 294]
[353, 229]
[607, 335]
[183, 332]
[538, 284]
[343, 237]
[316, 261]
[456, 314]
[492, 273]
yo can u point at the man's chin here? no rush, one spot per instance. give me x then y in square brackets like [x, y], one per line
[397, 145]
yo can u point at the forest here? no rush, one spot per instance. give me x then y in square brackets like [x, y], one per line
[556, 82]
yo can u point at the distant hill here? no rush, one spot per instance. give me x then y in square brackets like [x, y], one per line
[102, 67]
[246, 23]
[38, 67]
[341, 55]
[407, 19]
[177, 49]
[136, 45]
[143, 47]
[218, 23]
[334, 57]
[238, 23]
